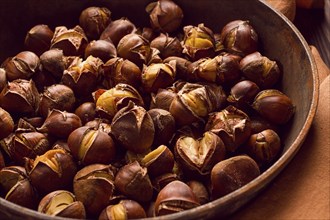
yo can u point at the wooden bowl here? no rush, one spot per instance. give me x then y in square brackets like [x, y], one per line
[280, 41]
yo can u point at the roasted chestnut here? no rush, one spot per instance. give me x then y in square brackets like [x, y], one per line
[54, 62]
[6, 123]
[167, 46]
[94, 20]
[62, 203]
[38, 39]
[133, 181]
[86, 112]
[231, 174]
[175, 197]
[102, 49]
[242, 93]
[200, 191]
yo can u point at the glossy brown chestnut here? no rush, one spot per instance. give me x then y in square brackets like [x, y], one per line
[165, 15]
[89, 146]
[243, 93]
[125, 209]
[200, 191]
[167, 46]
[232, 125]
[54, 62]
[38, 39]
[3, 78]
[133, 128]
[274, 106]
[51, 171]
[175, 197]
[162, 99]
[159, 182]
[117, 29]
[94, 20]
[182, 69]
[93, 185]
[62, 203]
[22, 66]
[86, 112]
[133, 181]
[6, 123]
[231, 174]
[102, 49]
[56, 96]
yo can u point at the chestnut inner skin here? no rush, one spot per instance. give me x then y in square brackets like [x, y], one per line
[279, 39]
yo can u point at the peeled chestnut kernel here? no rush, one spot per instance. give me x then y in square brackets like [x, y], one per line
[38, 39]
[93, 185]
[86, 112]
[274, 106]
[231, 174]
[133, 128]
[22, 66]
[164, 124]
[135, 48]
[263, 147]
[159, 161]
[89, 146]
[165, 15]
[125, 209]
[94, 20]
[195, 101]
[222, 69]
[239, 37]
[199, 155]
[51, 171]
[133, 181]
[117, 29]
[21, 97]
[102, 49]
[260, 69]
[82, 77]
[56, 96]
[167, 46]
[158, 75]
[182, 68]
[110, 101]
[71, 41]
[6, 123]
[54, 62]
[62, 203]
[232, 125]
[118, 70]
[200, 191]
[27, 144]
[60, 123]
[175, 197]
[198, 42]
[16, 187]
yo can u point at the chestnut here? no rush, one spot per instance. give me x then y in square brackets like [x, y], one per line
[54, 62]
[89, 145]
[200, 191]
[167, 46]
[21, 97]
[72, 41]
[274, 106]
[60, 123]
[6, 123]
[182, 68]
[231, 174]
[102, 49]
[258, 124]
[3, 78]
[38, 39]
[261, 70]
[2, 161]
[94, 20]
[117, 29]
[93, 185]
[199, 155]
[165, 15]
[159, 161]
[125, 209]
[133, 181]
[198, 42]
[56, 96]
[22, 66]
[263, 147]
[133, 128]
[16, 187]
[175, 197]
[239, 37]
[232, 125]
[164, 124]
[162, 99]
[62, 203]
[159, 182]
[86, 112]
[242, 93]
[51, 171]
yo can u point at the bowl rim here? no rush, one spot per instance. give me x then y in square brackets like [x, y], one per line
[252, 188]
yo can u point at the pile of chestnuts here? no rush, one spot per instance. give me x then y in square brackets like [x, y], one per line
[107, 120]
